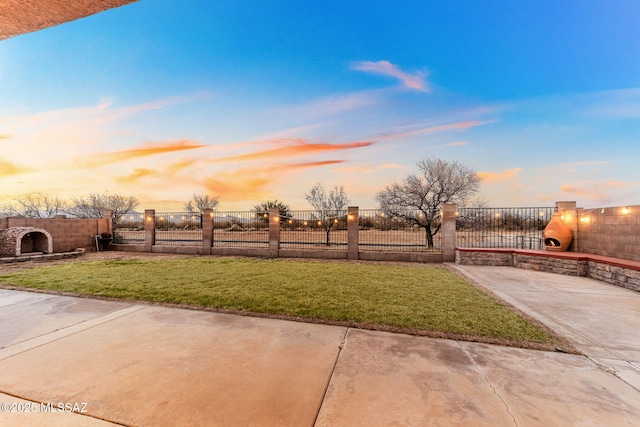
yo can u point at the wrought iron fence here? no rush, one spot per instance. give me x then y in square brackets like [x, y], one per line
[178, 229]
[379, 231]
[519, 228]
[129, 229]
[314, 230]
[241, 229]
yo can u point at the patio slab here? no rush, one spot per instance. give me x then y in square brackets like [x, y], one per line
[161, 366]
[387, 379]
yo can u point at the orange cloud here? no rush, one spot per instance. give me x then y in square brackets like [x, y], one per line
[101, 159]
[294, 147]
[5, 137]
[498, 176]
[7, 169]
[182, 164]
[251, 183]
[454, 144]
[136, 175]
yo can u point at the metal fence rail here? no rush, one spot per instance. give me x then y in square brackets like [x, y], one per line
[313, 230]
[129, 230]
[519, 228]
[380, 232]
[241, 229]
[178, 229]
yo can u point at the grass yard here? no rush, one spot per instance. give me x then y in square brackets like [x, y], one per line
[429, 300]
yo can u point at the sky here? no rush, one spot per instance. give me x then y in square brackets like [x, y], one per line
[253, 101]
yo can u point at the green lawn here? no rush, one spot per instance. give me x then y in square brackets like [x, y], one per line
[412, 298]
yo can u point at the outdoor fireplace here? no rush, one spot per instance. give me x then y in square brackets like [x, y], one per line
[16, 241]
[557, 235]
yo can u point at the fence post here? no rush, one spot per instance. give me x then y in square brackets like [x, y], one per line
[274, 232]
[353, 229]
[149, 229]
[448, 232]
[207, 231]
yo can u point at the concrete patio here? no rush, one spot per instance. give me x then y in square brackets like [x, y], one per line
[145, 365]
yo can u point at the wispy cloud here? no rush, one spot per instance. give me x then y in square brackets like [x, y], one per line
[456, 126]
[454, 144]
[8, 168]
[292, 147]
[414, 81]
[149, 149]
[619, 184]
[331, 105]
[507, 175]
[353, 169]
[392, 166]
[600, 192]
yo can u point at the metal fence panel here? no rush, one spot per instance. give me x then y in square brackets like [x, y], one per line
[519, 228]
[241, 229]
[312, 230]
[381, 232]
[178, 229]
[130, 229]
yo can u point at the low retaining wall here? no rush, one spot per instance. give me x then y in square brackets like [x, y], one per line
[425, 257]
[610, 270]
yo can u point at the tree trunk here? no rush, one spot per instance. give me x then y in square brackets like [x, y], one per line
[429, 237]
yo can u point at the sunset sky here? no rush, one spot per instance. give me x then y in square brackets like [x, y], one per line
[260, 100]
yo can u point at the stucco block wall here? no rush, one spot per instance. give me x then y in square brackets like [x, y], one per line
[67, 234]
[612, 231]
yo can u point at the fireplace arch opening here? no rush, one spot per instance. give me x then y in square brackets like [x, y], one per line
[16, 241]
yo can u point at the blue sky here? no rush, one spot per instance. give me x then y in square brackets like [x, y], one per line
[260, 100]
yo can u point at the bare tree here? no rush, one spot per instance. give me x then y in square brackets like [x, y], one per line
[201, 201]
[34, 205]
[419, 197]
[93, 205]
[329, 207]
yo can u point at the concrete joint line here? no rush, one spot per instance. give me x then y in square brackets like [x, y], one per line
[475, 365]
[609, 370]
[61, 333]
[342, 345]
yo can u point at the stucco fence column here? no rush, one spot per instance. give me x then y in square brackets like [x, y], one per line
[149, 229]
[353, 232]
[207, 231]
[449, 214]
[274, 232]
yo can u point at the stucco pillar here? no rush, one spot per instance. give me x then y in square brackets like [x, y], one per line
[108, 215]
[353, 230]
[149, 229]
[570, 217]
[448, 213]
[274, 232]
[207, 231]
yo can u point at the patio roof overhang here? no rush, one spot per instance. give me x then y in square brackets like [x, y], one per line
[20, 16]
